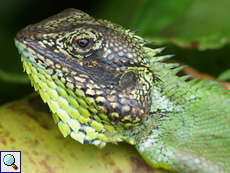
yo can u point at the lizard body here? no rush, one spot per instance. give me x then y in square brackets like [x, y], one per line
[103, 85]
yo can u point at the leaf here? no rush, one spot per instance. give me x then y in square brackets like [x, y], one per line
[224, 75]
[200, 24]
[27, 126]
[14, 77]
[203, 26]
[148, 16]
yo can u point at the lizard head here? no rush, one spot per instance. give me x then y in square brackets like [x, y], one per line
[94, 74]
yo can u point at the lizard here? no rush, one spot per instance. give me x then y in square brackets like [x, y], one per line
[103, 84]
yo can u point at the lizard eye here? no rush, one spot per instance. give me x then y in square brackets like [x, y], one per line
[82, 42]
[128, 80]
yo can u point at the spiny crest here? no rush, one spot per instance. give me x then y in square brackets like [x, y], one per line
[175, 68]
[184, 78]
[206, 84]
[201, 83]
[192, 82]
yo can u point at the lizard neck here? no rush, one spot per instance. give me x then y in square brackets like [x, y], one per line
[176, 108]
[181, 116]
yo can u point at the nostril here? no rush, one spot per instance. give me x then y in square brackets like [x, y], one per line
[26, 34]
[33, 37]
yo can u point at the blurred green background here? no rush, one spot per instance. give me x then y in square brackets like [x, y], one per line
[196, 31]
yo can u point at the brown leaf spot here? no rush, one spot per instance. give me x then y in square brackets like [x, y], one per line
[31, 160]
[60, 137]
[36, 141]
[62, 159]
[140, 165]
[112, 163]
[35, 152]
[12, 140]
[3, 141]
[47, 166]
[66, 143]
[25, 152]
[13, 106]
[118, 171]
[107, 153]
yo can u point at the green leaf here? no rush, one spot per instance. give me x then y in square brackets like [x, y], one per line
[14, 77]
[148, 16]
[224, 75]
[203, 26]
[198, 24]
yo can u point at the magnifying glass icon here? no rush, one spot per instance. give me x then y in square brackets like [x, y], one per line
[9, 160]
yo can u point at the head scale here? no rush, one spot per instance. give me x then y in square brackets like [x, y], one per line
[93, 74]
